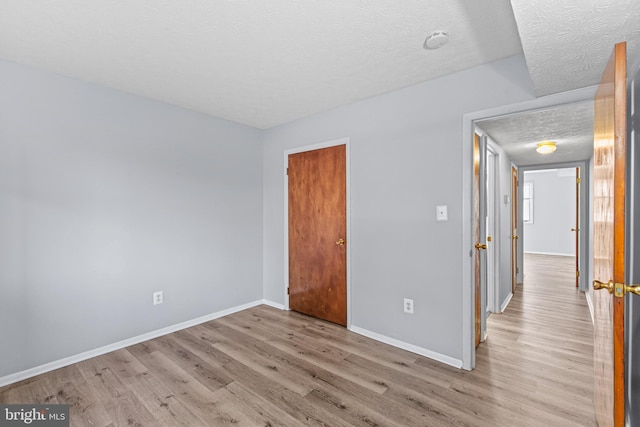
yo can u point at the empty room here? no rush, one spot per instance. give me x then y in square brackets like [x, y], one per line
[318, 213]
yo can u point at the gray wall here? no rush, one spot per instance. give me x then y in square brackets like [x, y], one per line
[406, 158]
[554, 212]
[106, 197]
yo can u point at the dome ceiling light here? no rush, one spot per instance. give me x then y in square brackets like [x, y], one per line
[546, 147]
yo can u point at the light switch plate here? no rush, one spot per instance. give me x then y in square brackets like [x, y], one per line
[441, 213]
[157, 298]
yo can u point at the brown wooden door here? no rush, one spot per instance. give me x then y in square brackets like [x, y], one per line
[476, 235]
[609, 181]
[514, 228]
[317, 233]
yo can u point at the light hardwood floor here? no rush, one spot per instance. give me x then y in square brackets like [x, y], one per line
[267, 367]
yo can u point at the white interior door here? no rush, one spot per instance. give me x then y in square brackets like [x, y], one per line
[492, 241]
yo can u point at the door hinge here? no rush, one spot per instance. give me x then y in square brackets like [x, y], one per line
[287, 171]
[578, 180]
[578, 273]
[287, 290]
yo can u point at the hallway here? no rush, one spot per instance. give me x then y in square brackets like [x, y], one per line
[539, 352]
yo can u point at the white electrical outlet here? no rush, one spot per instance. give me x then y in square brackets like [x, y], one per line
[157, 298]
[408, 305]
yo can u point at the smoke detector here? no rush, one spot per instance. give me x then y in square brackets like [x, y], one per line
[436, 40]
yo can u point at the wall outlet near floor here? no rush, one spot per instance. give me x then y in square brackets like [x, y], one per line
[408, 305]
[157, 298]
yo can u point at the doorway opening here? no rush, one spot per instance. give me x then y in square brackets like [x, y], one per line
[508, 156]
[551, 200]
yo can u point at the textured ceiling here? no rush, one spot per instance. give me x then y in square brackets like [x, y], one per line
[567, 44]
[256, 62]
[570, 126]
[265, 63]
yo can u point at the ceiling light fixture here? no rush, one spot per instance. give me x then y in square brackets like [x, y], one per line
[546, 147]
[436, 40]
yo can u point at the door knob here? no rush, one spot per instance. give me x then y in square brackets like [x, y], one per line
[340, 242]
[619, 289]
[598, 285]
[634, 289]
[481, 246]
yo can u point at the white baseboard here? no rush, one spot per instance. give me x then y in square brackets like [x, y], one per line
[61, 363]
[547, 253]
[590, 304]
[273, 304]
[506, 302]
[409, 347]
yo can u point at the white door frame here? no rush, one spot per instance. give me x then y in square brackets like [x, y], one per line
[347, 143]
[468, 127]
[585, 203]
[482, 219]
[493, 229]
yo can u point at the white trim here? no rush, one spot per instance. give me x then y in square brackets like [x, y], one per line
[468, 321]
[66, 361]
[468, 291]
[273, 304]
[542, 170]
[590, 304]
[548, 253]
[506, 302]
[497, 223]
[493, 280]
[456, 363]
[347, 143]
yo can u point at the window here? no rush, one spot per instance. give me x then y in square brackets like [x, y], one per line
[527, 202]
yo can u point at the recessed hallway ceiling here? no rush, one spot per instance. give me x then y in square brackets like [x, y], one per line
[570, 126]
[265, 63]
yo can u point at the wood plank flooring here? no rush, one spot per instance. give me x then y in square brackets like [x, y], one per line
[266, 367]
